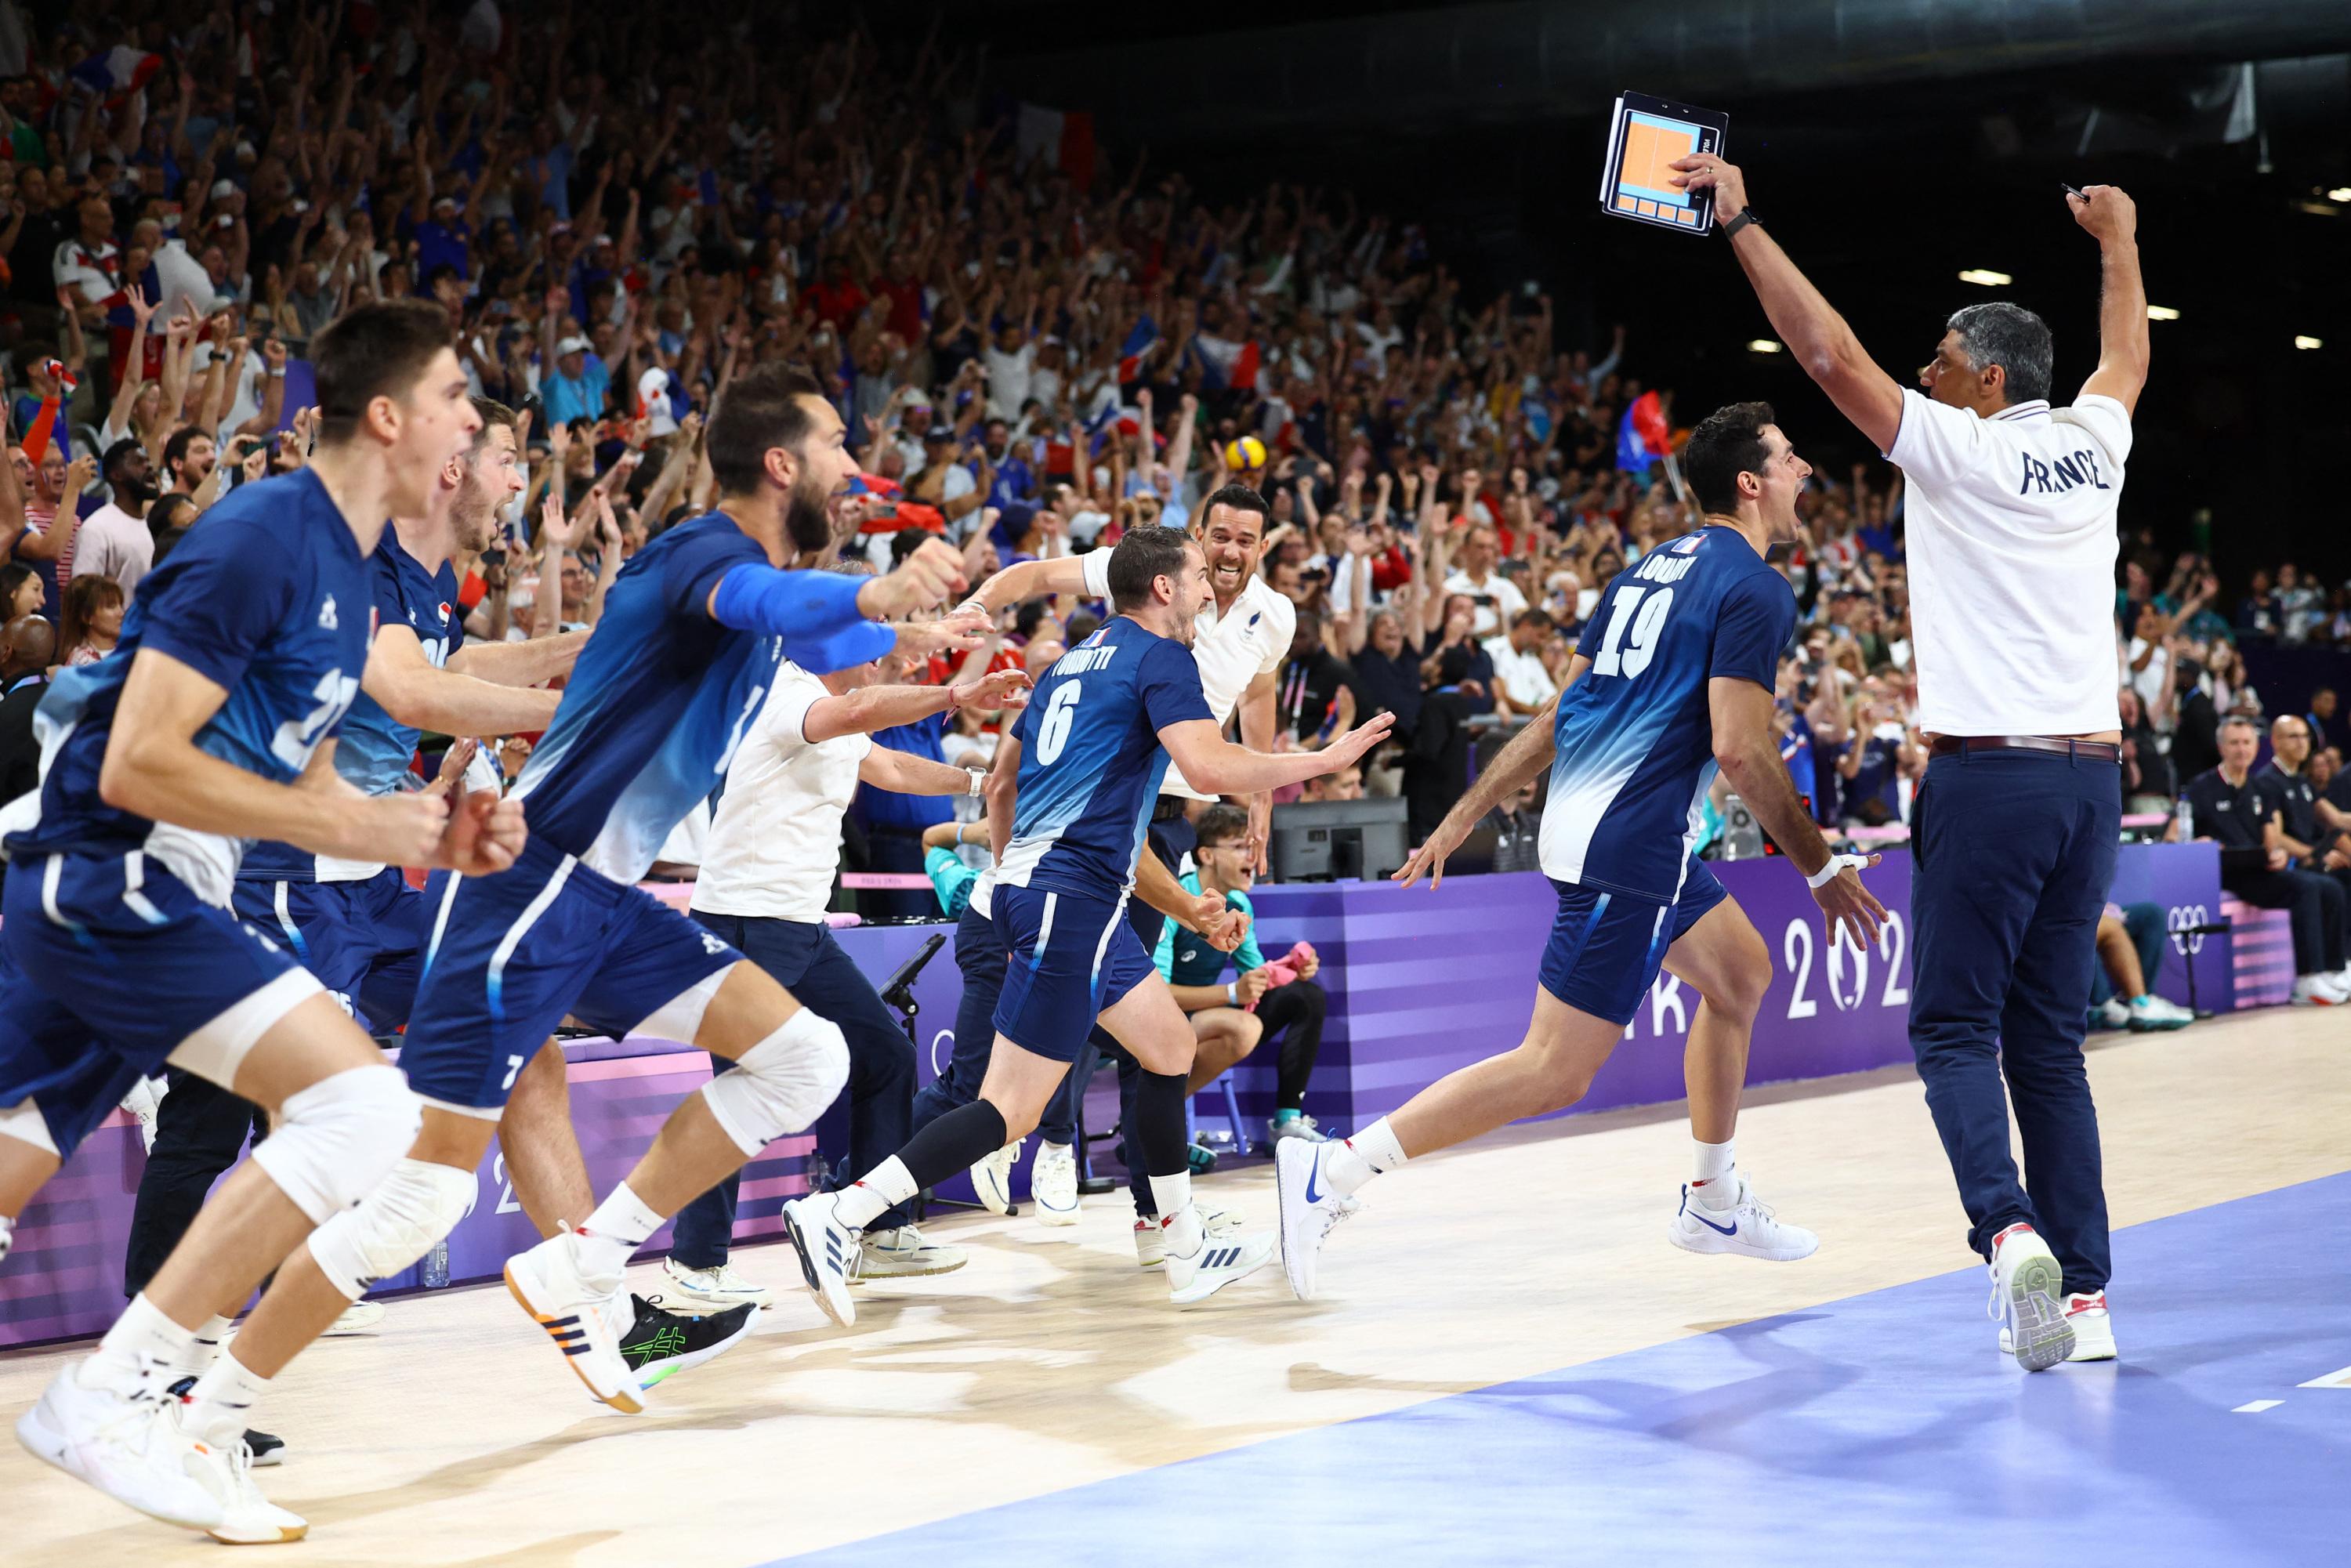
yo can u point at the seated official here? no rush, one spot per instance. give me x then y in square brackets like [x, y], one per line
[1232, 1017]
[2232, 810]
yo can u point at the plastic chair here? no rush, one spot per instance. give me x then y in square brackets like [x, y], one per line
[1241, 1143]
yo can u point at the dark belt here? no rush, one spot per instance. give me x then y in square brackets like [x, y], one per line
[2079, 750]
[1169, 808]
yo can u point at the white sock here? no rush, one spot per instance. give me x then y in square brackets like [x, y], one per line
[1717, 1183]
[1179, 1222]
[202, 1352]
[141, 1345]
[1349, 1164]
[617, 1229]
[220, 1407]
[885, 1186]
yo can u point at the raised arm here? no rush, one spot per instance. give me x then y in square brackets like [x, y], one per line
[871, 708]
[1028, 579]
[1212, 763]
[2111, 218]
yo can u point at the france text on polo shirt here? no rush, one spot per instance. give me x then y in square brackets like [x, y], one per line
[1636, 735]
[2010, 523]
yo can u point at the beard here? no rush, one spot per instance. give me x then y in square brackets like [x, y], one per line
[807, 517]
[473, 517]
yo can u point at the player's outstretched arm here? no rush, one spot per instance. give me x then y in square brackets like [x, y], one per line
[869, 709]
[1749, 755]
[1527, 754]
[824, 618]
[405, 681]
[1819, 338]
[1028, 579]
[2111, 218]
[154, 768]
[518, 663]
[1212, 763]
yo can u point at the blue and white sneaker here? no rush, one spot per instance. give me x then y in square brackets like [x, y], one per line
[1746, 1227]
[991, 1178]
[1216, 1263]
[1310, 1210]
[828, 1252]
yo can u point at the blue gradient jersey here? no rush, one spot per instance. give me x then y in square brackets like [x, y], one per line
[1635, 736]
[1091, 761]
[374, 750]
[270, 600]
[660, 697]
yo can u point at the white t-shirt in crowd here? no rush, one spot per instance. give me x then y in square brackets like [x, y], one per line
[776, 840]
[1520, 675]
[2148, 682]
[1499, 601]
[112, 543]
[2010, 523]
[1231, 650]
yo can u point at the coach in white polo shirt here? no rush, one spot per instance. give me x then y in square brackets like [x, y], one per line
[766, 880]
[2012, 540]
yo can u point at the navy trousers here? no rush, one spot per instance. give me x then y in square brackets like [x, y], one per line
[980, 954]
[806, 961]
[2014, 851]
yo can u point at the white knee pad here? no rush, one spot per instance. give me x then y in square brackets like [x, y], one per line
[782, 1083]
[413, 1208]
[332, 1142]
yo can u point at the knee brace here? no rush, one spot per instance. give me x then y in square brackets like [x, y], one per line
[413, 1207]
[782, 1083]
[333, 1142]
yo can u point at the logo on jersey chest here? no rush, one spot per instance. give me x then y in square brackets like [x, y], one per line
[2069, 472]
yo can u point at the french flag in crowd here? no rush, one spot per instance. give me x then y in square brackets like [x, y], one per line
[1227, 364]
[1642, 437]
[1139, 342]
[118, 71]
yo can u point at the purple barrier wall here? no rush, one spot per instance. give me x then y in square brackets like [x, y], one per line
[1421, 982]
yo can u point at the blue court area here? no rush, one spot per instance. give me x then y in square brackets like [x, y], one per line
[1882, 1428]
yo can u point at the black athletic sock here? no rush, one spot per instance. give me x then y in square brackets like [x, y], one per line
[1159, 1124]
[956, 1141]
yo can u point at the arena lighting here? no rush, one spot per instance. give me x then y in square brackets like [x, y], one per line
[2300, 341]
[2340, 194]
[2161, 313]
[1986, 276]
[1762, 346]
[2321, 209]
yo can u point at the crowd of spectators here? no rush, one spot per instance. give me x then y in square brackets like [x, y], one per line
[1035, 347]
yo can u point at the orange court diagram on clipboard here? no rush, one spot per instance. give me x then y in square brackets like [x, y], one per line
[1647, 136]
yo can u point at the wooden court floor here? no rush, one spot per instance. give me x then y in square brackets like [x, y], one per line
[453, 1435]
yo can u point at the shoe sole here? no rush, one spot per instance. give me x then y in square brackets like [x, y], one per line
[1048, 1215]
[282, 1537]
[2038, 1328]
[620, 1399]
[844, 1312]
[1711, 1245]
[867, 1271]
[49, 1445]
[1297, 1264]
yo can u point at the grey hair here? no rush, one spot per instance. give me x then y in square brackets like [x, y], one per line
[2010, 337]
[2238, 718]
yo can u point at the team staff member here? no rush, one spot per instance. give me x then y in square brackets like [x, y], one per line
[2231, 806]
[2011, 541]
[2293, 796]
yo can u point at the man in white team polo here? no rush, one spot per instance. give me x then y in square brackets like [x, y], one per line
[2012, 540]
[1244, 634]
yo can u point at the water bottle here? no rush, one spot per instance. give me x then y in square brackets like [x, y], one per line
[818, 1169]
[2187, 820]
[436, 1266]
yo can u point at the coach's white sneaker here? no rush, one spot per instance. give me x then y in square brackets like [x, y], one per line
[991, 1178]
[2093, 1329]
[1217, 1262]
[360, 1317]
[128, 1446]
[904, 1253]
[2151, 1013]
[1310, 1210]
[1746, 1226]
[247, 1517]
[827, 1250]
[2318, 991]
[2028, 1289]
[145, 1099]
[579, 1315]
[718, 1289]
[1053, 1183]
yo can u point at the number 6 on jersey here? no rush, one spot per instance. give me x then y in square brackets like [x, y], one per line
[1053, 724]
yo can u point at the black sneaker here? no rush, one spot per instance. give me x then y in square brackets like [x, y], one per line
[267, 1450]
[660, 1343]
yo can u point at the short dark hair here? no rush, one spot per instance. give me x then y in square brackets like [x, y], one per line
[127, 447]
[492, 412]
[1240, 497]
[1727, 443]
[1144, 556]
[165, 515]
[1220, 824]
[2000, 333]
[175, 450]
[1533, 615]
[760, 411]
[378, 349]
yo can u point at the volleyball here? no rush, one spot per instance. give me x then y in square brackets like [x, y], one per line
[1247, 452]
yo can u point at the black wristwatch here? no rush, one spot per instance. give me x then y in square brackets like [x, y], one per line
[1746, 215]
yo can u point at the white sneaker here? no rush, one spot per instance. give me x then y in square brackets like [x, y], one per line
[2114, 1013]
[579, 1316]
[1053, 1183]
[991, 1178]
[1217, 1262]
[2093, 1329]
[1150, 1242]
[247, 1517]
[828, 1248]
[720, 1289]
[128, 1446]
[1310, 1210]
[2027, 1288]
[360, 1317]
[904, 1253]
[2150, 1013]
[2318, 991]
[1746, 1227]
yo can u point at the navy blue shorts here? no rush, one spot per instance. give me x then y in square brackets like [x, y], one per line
[1605, 948]
[509, 956]
[109, 965]
[1071, 955]
[364, 940]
